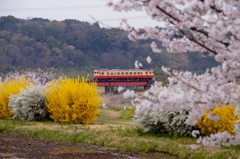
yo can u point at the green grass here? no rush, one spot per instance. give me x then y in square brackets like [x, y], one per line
[116, 133]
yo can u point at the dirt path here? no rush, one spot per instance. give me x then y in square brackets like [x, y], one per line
[17, 147]
[20, 147]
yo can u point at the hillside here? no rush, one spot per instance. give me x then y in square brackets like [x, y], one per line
[72, 44]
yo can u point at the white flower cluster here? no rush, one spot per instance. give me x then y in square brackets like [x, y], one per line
[39, 76]
[219, 139]
[149, 59]
[210, 27]
[129, 94]
[29, 104]
[166, 122]
[138, 64]
[121, 89]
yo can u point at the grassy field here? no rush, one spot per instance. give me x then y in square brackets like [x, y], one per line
[114, 128]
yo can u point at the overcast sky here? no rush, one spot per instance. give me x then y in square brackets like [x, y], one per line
[81, 10]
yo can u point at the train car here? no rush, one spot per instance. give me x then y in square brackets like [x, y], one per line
[119, 74]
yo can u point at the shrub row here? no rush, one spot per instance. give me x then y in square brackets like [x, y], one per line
[169, 122]
[63, 100]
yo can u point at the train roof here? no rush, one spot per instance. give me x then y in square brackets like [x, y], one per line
[123, 69]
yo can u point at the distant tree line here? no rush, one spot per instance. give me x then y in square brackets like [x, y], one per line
[74, 44]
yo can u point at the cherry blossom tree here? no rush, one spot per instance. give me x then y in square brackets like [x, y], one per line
[211, 27]
[39, 76]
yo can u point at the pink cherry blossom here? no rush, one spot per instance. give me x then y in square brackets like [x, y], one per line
[210, 27]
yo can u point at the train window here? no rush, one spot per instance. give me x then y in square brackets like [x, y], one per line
[146, 73]
[130, 73]
[118, 73]
[107, 73]
[139, 73]
[102, 73]
[134, 73]
[111, 73]
[126, 73]
[122, 73]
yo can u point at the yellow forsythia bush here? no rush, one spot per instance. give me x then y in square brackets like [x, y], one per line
[72, 100]
[8, 87]
[227, 119]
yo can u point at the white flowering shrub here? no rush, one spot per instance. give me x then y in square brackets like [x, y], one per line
[208, 27]
[29, 104]
[164, 122]
[156, 118]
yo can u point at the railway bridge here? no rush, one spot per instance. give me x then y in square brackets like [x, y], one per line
[124, 78]
[109, 85]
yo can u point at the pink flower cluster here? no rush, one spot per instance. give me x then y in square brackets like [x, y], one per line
[210, 27]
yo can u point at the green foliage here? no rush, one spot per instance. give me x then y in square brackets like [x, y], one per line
[165, 122]
[8, 87]
[29, 104]
[72, 100]
[64, 44]
[128, 113]
[227, 119]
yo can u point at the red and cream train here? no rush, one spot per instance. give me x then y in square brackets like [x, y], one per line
[122, 74]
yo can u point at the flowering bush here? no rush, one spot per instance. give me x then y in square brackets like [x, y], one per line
[155, 117]
[8, 87]
[165, 122]
[208, 27]
[29, 104]
[220, 119]
[72, 100]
